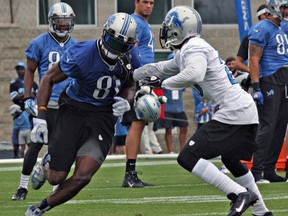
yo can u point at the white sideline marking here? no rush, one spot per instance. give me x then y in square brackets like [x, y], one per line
[168, 199]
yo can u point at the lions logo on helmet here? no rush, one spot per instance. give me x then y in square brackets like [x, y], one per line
[61, 19]
[148, 108]
[180, 23]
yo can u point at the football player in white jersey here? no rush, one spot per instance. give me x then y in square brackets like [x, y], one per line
[232, 130]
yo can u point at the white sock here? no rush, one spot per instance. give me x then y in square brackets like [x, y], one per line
[209, 173]
[247, 181]
[24, 181]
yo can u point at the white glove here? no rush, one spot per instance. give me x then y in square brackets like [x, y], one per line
[120, 106]
[31, 107]
[39, 134]
[143, 90]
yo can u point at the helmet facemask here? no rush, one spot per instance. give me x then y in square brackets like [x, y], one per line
[119, 35]
[61, 25]
[61, 19]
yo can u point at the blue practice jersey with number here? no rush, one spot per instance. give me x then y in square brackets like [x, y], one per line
[46, 50]
[145, 39]
[95, 81]
[274, 41]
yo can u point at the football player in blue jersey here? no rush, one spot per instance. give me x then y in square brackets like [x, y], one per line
[268, 64]
[231, 132]
[42, 53]
[88, 109]
[145, 42]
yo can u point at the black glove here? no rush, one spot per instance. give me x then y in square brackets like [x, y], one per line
[154, 82]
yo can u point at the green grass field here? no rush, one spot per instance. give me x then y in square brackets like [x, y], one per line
[177, 193]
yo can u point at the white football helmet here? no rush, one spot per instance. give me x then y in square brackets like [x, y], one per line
[180, 23]
[119, 33]
[61, 19]
[274, 6]
[148, 108]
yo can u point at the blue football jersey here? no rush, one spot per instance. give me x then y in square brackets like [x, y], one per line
[145, 39]
[46, 50]
[274, 41]
[95, 81]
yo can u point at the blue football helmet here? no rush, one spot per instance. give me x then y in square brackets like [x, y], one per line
[119, 33]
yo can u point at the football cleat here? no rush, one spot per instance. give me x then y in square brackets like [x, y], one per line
[241, 202]
[38, 176]
[131, 180]
[33, 211]
[20, 194]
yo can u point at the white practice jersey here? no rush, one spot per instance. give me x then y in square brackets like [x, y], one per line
[198, 65]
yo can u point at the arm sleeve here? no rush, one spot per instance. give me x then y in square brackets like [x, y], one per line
[193, 72]
[162, 69]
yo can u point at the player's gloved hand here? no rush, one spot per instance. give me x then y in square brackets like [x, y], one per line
[154, 82]
[257, 94]
[39, 134]
[31, 107]
[120, 106]
[143, 90]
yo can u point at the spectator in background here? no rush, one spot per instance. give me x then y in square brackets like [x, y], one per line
[203, 112]
[21, 124]
[268, 60]
[149, 140]
[17, 97]
[175, 116]
[230, 62]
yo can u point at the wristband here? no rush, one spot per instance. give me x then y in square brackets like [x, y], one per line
[42, 114]
[256, 86]
[42, 108]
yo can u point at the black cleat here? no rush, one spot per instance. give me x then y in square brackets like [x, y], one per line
[241, 202]
[20, 194]
[266, 214]
[275, 178]
[131, 180]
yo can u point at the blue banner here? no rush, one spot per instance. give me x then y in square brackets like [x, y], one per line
[243, 10]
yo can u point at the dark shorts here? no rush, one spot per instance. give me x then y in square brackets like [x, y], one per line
[80, 132]
[119, 140]
[174, 120]
[215, 139]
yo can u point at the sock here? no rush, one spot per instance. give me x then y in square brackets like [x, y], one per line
[209, 173]
[247, 181]
[130, 165]
[24, 181]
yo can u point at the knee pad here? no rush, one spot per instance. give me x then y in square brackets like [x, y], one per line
[187, 159]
